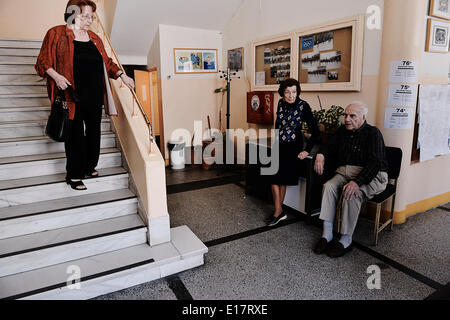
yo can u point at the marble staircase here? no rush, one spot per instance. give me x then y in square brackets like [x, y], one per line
[55, 242]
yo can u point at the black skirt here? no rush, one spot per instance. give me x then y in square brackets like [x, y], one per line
[289, 165]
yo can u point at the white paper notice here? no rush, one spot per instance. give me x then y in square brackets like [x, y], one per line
[399, 118]
[402, 95]
[404, 71]
[434, 120]
[260, 78]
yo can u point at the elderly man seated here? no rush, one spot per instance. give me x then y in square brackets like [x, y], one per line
[357, 151]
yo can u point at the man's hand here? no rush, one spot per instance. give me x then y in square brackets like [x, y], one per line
[319, 164]
[302, 155]
[351, 190]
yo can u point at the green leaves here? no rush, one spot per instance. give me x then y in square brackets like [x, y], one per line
[331, 118]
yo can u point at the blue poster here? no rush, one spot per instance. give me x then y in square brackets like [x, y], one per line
[307, 43]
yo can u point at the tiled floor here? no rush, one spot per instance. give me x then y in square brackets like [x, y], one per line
[252, 261]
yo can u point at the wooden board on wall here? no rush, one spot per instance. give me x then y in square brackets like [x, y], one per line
[260, 107]
[342, 41]
[262, 66]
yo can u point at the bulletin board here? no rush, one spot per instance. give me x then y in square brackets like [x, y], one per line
[273, 62]
[325, 57]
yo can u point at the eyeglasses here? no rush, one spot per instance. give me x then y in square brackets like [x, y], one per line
[87, 17]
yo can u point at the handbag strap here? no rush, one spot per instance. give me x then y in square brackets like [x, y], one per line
[62, 96]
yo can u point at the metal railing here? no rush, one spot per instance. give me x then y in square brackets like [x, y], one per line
[134, 96]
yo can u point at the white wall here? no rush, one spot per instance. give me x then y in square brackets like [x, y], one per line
[186, 98]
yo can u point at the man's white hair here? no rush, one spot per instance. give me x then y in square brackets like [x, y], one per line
[362, 106]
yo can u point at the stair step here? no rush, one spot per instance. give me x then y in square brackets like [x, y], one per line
[18, 195]
[24, 114]
[43, 165]
[17, 60]
[17, 147]
[61, 206]
[30, 252]
[34, 128]
[24, 91]
[21, 80]
[92, 268]
[21, 52]
[18, 43]
[17, 69]
[11, 102]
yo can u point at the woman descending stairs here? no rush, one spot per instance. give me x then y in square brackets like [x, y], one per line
[55, 242]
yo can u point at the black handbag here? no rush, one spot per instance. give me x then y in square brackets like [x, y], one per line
[58, 124]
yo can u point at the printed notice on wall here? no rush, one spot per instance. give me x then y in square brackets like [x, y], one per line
[399, 118]
[404, 71]
[403, 95]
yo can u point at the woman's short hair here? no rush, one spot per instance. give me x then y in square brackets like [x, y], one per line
[80, 4]
[289, 83]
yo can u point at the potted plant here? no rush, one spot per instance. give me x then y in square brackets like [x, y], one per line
[328, 121]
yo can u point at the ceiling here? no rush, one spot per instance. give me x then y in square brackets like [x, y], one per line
[136, 21]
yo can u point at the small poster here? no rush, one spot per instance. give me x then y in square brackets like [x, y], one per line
[260, 107]
[399, 118]
[260, 78]
[404, 71]
[403, 95]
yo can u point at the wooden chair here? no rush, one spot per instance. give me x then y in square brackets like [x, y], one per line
[394, 159]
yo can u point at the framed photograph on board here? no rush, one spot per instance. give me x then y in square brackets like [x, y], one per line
[235, 58]
[195, 60]
[437, 35]
[272, 62]
[440, 9]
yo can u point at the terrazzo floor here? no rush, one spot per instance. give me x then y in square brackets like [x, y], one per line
[249, 261]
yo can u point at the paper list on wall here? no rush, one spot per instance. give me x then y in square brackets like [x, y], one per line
[398, 118]
[434, 121]
[402, 95]
[404, 71]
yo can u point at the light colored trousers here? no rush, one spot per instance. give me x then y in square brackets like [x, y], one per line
[332, 192]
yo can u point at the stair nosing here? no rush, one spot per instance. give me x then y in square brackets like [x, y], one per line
[82, 279]
[63, 243]
[55, 156]
[41, 138]
[62, 209]
[124, 172]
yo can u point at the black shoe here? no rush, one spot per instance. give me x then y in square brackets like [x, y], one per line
[270, 217]
[93, 174]
[338, 250]
[76, 185]
[321, 246]
[274, 220]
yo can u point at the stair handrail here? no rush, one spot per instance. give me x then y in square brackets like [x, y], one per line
[135, 100]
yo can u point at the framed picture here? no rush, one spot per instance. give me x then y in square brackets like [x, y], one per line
[440, 9]
[437, 35]
[330, 56]
[235, 58]
[195, 60]
[272, 62]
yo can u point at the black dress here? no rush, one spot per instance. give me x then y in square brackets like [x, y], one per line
[83, 143]
[289, 122]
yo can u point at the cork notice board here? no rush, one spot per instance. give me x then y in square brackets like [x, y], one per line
[325, 57]
[273, 62]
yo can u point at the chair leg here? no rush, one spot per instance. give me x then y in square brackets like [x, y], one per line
[392, 213]
[338, 215]
[377, 225]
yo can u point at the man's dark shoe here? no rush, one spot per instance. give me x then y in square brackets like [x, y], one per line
[321, 246]
[338, 250]
[274, 220]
